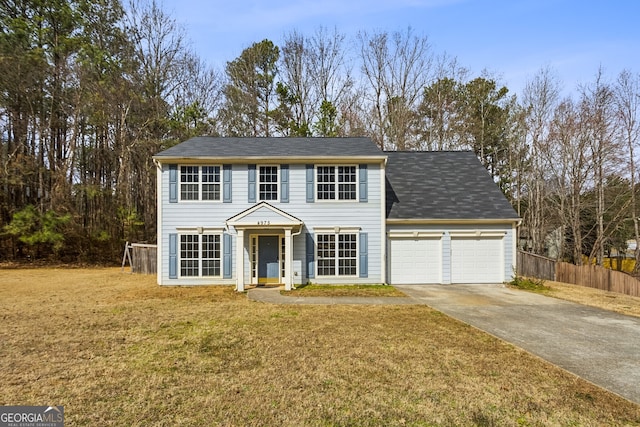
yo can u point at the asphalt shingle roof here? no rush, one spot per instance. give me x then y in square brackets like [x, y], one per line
[213, 147]
[442, 185]
[448, 185]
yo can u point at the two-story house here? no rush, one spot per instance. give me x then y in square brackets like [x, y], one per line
[248, 211]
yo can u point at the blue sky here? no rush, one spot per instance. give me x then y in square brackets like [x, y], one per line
[512, 39]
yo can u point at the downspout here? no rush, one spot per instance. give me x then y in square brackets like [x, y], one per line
[228, 230]
[158, 220]
[292, 236]
[383, 220]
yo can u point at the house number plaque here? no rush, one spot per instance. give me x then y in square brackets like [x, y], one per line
[264, 222]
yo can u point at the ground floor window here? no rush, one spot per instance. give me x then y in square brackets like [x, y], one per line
[337, 254]
[200, 255]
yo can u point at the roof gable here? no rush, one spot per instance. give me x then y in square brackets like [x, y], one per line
[263, 214]
[442, 185]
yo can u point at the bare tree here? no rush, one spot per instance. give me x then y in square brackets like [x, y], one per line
[540, 99]
[296, 76]
[329, 68]
[597, 111]
[162, 54]
[197, 101]
[627, 107]
[566, 156]
[440, 112]
[396, 68]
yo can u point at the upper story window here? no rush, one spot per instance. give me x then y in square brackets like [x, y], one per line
[336, 183]
[200, 183]
[268, 183]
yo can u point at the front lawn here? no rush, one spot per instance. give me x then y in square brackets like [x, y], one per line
[117, 350]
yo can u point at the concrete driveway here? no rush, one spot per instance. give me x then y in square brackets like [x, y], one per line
[598, 345]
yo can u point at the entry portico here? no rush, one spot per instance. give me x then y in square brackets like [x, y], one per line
[270, 233]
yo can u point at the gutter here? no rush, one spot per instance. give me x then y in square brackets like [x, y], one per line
[397, 221]
[265, 159]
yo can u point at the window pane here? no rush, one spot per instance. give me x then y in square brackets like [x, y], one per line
[189, 182]
[188, 174]
[211, 183]
[210, 191]
[268, 189]
[347, 182]
[210, 267]
[347, 254]
[347, 267]
[326, 187]
[189, 263]
[254, 257]
[283, 257]
[211, 255]
[326, 254]
[211, 174]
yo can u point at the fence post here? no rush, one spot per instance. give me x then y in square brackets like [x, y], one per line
[126, 256]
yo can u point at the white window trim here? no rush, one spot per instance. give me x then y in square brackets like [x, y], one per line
[199, 230]
[336, 231]
[349, 229]
[415, 234]
[200, 183]
[258, 182]
[336, 183]
[188, 231]
[478, 233]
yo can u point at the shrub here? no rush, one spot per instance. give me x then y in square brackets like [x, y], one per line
[529, 284]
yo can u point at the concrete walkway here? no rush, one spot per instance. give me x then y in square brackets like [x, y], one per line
[598, 345]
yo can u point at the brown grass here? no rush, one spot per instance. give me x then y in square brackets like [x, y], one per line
[613, 301]
[115, 349]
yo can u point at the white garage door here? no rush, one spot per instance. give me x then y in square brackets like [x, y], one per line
[477, 259]
[416, 260]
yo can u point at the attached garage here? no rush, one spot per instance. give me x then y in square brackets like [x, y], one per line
[447, 221]
[477, 259]
[415, 259]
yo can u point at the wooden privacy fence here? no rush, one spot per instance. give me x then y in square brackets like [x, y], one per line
[142, 257]
[532, 265]
[597, 277]
[592, 276]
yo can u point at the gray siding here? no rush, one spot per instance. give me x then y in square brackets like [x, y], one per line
[367, 216]
[509, 262]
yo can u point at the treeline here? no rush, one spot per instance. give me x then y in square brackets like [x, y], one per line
[89, 91]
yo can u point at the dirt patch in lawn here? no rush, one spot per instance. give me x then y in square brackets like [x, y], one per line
[116, 349]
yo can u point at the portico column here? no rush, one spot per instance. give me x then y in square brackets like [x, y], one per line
[288, 256]
[240, 261]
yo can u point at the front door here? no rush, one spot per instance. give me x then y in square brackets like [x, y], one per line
[268, 259]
